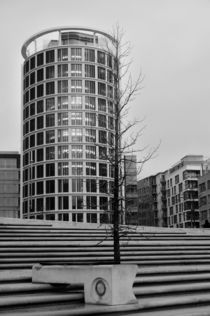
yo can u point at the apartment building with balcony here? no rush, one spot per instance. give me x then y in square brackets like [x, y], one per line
[182, 191]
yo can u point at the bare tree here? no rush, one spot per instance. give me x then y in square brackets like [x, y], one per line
[126, 90]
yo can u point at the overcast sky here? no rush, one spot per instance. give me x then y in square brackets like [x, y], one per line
[170, 42]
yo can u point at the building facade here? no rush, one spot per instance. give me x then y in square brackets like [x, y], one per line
[152, 210]
[204, 199]
[9, 184]
[130, 194]
[68, 125]
[182, 192]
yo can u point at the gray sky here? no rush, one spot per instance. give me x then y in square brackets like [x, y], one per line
[170, 44]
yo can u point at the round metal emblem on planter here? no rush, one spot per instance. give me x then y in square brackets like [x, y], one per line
[100, 287]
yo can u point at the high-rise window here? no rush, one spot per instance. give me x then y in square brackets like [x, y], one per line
[50, 104]
[76, 102]
[89, 86]
[76, 54]
[77, 202]
[63, 119]
[62, 86]
[63, 168]
[77, 151]
[90, 152]
[101, 57]
[50, 56]
[90, 71]
[63, 135]
[50, 136]
[90, 103]
[50, 120]
[63, 54]
[76, 86]
[77, 168]
[50, 153]
[101, 73]
[76, 118]
[90, 119]
[76, 70]
[63, 185]
[77, 185]
[63, 70]
[90, 135]
[63, 152]
[90, 168]
[89, 55]
[76, 135]
[50, 72]
[91, 185]
[63, 102]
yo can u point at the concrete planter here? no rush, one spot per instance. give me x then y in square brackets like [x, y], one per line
[103, 284]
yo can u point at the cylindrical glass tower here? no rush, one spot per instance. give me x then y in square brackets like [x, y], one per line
[68, 125]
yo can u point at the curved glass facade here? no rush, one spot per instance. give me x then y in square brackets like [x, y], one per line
[68, 128]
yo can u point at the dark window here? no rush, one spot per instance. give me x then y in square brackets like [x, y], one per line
[40, 106]
[91, 185]
[50, 186]
[90, 71]
[91, 202]
[102, 170]
[103, 203]
[102, 137]
[40, 59]
[50, 104]
[32, 109]
[102, 153]
[50, 88]
[32, 78]
[32, 125]
[50, 120]
[50, 136]
[89, 86]
[40, 75]
[101, 88]
[101, 57]
[50, 170]
[40, 122]
[101, 73]
[39, 154]
[50, 72]
[32, 63]
[39, 171]
[50, 153]
[32, 93]
[40, 90]
[50, 203]
[89, 55]
[32, 140]
[102, 105]
[103, 188]
[39, 187]
[50, 56]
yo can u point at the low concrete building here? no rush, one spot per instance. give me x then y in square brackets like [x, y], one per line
[9, 184]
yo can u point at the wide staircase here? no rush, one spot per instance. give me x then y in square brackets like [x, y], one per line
[173, 275]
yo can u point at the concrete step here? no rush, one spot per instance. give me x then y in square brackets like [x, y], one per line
[144, 307]
[38, 298]
[166, 289]
[94, 252]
